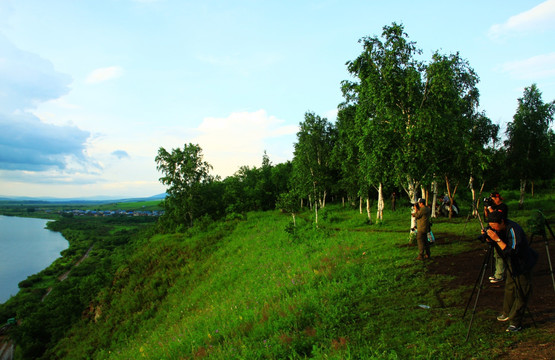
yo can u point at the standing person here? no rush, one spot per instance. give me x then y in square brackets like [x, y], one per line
[393, 200]
[497, 204]
[520, 258]
[422, 215]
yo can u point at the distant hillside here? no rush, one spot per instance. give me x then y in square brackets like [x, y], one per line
[85, 200]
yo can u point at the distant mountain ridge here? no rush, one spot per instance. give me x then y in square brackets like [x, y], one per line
[91, 199]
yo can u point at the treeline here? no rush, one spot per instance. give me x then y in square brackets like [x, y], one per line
[404, 124]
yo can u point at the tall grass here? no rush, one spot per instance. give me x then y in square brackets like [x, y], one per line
[252, 290]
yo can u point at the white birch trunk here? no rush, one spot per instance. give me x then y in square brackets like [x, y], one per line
[360, 205]
[316, 212]
[434, 199]
[474, 200]
[381, 204]
[411, 190]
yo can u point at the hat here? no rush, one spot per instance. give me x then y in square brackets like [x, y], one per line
[496, 217]
[495, 194]
[422, 201]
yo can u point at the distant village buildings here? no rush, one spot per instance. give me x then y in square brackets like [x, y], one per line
[97, 213]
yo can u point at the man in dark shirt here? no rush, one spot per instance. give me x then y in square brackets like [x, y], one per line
[512, 245]
[498, 205]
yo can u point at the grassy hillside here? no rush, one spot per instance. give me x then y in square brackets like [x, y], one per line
[257, 288]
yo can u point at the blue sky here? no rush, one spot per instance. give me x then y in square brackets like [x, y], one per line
[90, 90]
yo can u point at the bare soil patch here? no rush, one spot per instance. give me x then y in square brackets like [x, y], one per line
[466, 266]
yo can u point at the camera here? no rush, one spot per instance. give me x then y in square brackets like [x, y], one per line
[484, 237]
[488, 201]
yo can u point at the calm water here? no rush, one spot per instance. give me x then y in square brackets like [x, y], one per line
[26, 248]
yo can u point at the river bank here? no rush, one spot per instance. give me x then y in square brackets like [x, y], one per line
[27, 247]
[98, 246]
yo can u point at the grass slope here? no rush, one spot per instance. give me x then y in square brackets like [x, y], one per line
[252, 290]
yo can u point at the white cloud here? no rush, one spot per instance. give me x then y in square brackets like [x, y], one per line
[26, 143]
[537, 19]
[104, 74]
[240, 139]
[533, 69]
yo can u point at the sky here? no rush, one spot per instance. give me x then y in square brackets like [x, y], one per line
[90, 90]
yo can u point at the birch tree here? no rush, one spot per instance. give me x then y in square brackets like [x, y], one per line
[185, 173]
[312, 159]
[409, 107]
[390, 92]
[528, 138]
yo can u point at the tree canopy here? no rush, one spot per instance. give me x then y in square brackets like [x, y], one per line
[529, 139]
[417, 120]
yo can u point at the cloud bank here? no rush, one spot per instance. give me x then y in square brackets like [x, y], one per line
[26, 143]
[240, 140]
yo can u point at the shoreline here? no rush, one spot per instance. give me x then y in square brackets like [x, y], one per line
[27, 246]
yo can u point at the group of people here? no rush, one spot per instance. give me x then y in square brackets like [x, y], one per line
[513, 256]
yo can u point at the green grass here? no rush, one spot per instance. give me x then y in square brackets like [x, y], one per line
[250, 290]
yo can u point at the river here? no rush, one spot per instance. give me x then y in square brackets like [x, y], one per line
[26, 248]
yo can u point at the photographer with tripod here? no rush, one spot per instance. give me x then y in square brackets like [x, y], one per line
[495, 203]
[512, 245]
[422, 214]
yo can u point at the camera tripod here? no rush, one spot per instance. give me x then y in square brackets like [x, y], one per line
[478, 285]
[488, 259]
[538, 228]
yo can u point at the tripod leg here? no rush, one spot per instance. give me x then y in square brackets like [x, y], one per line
[547, 250]
[481, 280]
[549, 261]
[480, 277]
[549, 227]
